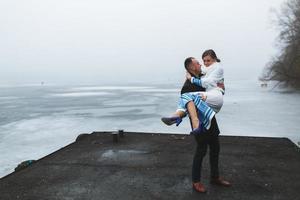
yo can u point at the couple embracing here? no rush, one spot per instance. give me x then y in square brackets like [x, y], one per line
[201, 98]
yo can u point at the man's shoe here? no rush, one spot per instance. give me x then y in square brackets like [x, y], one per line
[199, 187]
[220, 181]
[171, 120]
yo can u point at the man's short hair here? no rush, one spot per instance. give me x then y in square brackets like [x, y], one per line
[187, 62]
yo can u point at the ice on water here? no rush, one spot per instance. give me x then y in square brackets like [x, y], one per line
[37, 120]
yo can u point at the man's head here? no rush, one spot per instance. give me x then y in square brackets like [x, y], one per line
[192, 65]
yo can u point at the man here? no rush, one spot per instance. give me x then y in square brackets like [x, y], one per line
[208, 138]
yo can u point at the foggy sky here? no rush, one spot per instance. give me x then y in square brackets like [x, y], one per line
[132, 41]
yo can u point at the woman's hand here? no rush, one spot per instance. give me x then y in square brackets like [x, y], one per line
[188, 76]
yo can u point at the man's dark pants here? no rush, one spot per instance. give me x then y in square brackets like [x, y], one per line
[209, 138]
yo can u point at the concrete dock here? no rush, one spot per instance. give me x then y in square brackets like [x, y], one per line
[131, 166]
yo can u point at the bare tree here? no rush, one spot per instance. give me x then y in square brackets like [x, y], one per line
[285, 68]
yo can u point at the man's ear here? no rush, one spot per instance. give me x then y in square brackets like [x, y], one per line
[191, 72]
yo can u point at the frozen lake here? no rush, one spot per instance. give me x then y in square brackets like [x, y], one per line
[37, 120]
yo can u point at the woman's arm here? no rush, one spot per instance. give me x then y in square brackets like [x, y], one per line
[211, 80]
[196, 81]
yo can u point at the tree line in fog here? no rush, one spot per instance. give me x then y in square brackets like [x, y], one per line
[284, 68]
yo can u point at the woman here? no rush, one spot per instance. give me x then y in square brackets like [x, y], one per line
[208, 103]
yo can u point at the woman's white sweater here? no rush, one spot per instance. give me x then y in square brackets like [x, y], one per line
[213, 78]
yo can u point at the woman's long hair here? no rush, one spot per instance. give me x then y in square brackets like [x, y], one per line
[212, 54]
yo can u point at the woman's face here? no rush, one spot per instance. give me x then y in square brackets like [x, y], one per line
[208, 60]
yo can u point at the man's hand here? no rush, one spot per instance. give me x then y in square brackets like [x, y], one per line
[221, 85]
[188, 76]
[203, 96]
